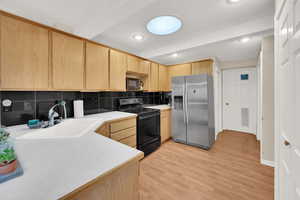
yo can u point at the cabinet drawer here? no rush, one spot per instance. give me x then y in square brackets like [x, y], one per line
[130, 141]
[123, 134]
[121, 125]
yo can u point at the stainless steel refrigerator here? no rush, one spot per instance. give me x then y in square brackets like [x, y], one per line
[193, 110]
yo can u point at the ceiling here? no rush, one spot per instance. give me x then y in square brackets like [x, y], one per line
[211, 28]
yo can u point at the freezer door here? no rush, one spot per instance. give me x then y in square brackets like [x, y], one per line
[178, 110]
[197, 111]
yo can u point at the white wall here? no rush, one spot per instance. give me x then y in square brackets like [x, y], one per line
[217, 75]
[267, 134]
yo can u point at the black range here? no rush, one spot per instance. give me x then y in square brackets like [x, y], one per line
[148, 124]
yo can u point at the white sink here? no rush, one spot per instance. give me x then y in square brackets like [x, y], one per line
[69, 128]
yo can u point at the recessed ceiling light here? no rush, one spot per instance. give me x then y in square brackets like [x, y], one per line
[138, 37]
[245, 39]
[233, 1]
[164, 25]
[175, 55]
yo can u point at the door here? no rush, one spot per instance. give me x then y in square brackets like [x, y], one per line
[287, 100]
[240, 99]
[153, 77]
[163, 78]
[197, 110]
[178, 110]
[202, 67]
[24, 55]
[97, 67]
[133, 64]
[118, 67]
[67, 62]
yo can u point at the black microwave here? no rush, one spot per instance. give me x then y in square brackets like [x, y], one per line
[133, 84]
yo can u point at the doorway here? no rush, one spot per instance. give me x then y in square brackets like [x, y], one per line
[240, 99]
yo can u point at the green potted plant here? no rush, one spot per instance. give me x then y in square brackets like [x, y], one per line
[8, 159]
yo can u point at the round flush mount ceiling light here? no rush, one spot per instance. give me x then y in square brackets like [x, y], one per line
[174, 55]
[138, 37]
[233, 1]
[245, 39]
[164, 25]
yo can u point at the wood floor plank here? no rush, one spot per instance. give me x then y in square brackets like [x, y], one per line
[231, 170]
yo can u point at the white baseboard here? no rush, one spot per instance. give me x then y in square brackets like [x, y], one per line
[268, 163]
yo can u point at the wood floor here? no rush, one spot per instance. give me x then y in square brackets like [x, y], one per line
[229, 171]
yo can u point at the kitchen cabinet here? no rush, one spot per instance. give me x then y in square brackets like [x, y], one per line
[163, 77]
[133, 64]
[97, 67]
[67, 62]
[122, 130]
[153, 79]
[119, 183]
[165, 125]
[179, 70]
[145, 67]
[24, 55]
[118, 67]
[202, 67]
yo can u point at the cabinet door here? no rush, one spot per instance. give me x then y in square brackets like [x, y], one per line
[154, 77]
[24, 55]
[163, 78]
[165, 125]
[179, 70]
[145, 71]
[202, 67]
[118, 66]
[145, 67]
[163, 129]
[133, 64]
[67, 61]
[96, 67]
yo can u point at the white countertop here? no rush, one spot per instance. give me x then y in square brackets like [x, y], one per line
[55, 167]
[159, 107]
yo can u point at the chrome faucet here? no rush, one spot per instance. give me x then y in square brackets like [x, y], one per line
[52, 114]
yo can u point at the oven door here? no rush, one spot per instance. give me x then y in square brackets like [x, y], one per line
[148, 129]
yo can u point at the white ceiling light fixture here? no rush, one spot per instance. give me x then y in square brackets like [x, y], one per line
[245, 39]
[164, 25]
[233, 1]
[138, 37]
[175, 55]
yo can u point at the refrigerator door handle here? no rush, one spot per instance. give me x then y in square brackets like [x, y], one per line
[186, 105]
[184, 114]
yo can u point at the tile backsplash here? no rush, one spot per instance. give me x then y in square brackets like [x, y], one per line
[28, 105]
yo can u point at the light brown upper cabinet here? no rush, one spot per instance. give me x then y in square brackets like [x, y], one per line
[145, 67]
[97, 67]
[24, 55]
[133, 64]
[179, 70]
[153, 79]
[202, 67]
[163, 78]
[118, 66]
[67, 62]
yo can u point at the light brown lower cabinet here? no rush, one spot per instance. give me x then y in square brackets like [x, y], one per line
[165, 125]
[119, 184]
[121, 130]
